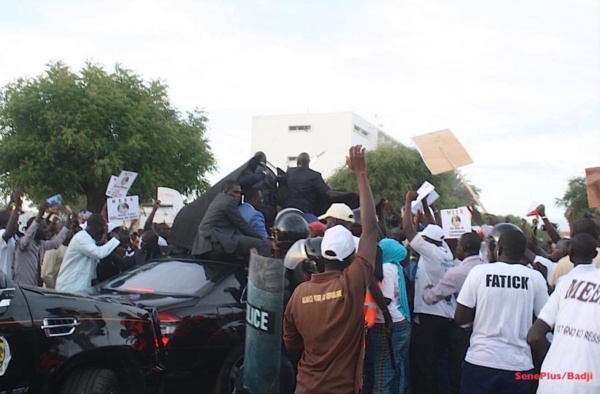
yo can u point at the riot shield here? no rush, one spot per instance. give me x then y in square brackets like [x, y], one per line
[264, 321]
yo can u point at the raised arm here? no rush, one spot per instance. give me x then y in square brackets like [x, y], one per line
[357, 162]
[569, 217]
[436, 214]
[552, 233]
[13, 222]
[150, 219]
[407, 224]
[427, 216]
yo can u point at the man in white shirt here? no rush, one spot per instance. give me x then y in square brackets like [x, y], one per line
[79, 264]
[572, 362]
[430, 335]
[500, 299]
[467, 252]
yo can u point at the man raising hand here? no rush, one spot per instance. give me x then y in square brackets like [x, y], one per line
[324, 320]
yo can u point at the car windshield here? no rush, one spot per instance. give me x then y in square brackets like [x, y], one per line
[167, 277]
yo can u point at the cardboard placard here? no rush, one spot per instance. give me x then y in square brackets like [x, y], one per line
[431, 198]
[456, 222]
[172, 197]
[442, 151]
[592, 181]
[123, 208]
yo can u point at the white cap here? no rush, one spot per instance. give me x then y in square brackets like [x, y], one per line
[433, 232]
[339, 211]
[338, 243]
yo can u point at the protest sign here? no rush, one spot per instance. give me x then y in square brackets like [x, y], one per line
[111, 184]
[122, 184]
[456, 222]
[592, 181]
[170, 197]
[426, 190]
[123, 208]
[442, 151]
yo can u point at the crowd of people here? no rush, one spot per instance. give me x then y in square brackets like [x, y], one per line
[72, 254]
[390, 305]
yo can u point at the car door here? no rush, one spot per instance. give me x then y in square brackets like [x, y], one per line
[17, 340]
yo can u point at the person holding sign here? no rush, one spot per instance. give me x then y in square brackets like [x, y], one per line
[78, 269]
[32, 246]
[430, 335]
[467, 252]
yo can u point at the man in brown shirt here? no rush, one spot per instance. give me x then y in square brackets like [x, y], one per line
[324, 320]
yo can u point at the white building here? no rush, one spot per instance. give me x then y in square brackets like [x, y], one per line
[325, 137]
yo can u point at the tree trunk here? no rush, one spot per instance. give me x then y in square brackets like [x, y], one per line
[95, 201]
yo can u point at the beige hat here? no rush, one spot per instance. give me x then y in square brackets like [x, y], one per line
[339, 211]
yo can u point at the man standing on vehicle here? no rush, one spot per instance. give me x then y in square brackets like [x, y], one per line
[324, 319]
[306, 186]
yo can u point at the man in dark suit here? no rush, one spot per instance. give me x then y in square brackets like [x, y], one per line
[223, 230]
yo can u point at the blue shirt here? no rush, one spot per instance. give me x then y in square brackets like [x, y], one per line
[255, 218]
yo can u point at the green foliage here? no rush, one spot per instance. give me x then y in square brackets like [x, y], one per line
[393, 170]
[575, 197]
[66, 132]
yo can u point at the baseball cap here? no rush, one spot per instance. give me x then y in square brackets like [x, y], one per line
[339, 211]
[338, 243]
[433, 232]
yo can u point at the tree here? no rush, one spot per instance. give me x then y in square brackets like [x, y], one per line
[575, 197]
[66, 132]
[393, 170]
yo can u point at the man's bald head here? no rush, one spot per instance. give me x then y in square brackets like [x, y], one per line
[303, 159]
[582, 249]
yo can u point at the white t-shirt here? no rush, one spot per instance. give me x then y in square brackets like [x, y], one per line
[7, 254]
[549, 264]
[589, 268]
[390, 288]
[506, 296]
[432, 265]
[573, 311]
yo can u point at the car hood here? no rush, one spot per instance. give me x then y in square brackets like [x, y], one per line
[142, 300]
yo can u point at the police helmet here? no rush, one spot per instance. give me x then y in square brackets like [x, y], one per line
[491, 240]
[290, 225]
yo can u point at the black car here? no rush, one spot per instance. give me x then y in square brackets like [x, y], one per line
[201, 312]
[53, 342]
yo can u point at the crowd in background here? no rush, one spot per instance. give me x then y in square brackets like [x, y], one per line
[393, 307]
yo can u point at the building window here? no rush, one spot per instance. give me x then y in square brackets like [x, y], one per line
[360, 131]
[305, 128]
[292, 161]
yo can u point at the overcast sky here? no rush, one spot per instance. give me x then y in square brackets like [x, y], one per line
[518, 82]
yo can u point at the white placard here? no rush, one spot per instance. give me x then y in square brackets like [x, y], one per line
[168, 196]
[123, 183]
[123, 208]
[418, 207]
[111, 185]
[456, 222]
